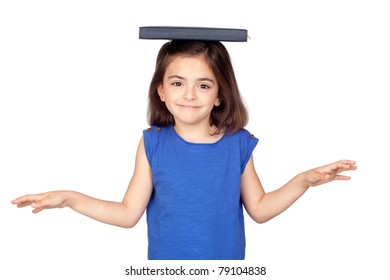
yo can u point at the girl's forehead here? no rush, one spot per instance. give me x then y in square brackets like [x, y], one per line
[187, 56]
[190, 64]
[180, 60]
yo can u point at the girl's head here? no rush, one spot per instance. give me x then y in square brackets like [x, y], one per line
[231, 114]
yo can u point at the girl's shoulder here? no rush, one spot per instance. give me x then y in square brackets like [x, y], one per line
[156, 129]
[152, 136]
[153, 133]
[152, 129]
[245, 134]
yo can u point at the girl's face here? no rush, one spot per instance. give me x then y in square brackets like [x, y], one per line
[189, 90]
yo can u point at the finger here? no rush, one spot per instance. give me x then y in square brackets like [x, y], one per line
[349, 162]
[344, 164]
[352, 167]
[26, 198]
[37, 210]
[17, 200]
[342, 177]
[346, 168]
[23, 204]
[337, 167]
[42, 204]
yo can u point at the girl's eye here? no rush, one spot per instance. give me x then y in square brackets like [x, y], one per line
[176, 84]
[204, 86]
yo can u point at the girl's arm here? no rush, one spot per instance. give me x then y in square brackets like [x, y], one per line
[124, 214]
[262, 206]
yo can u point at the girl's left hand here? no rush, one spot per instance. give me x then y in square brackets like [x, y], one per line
[329, 172]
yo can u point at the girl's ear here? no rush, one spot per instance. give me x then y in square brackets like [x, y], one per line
[217, 102]
[160, 91]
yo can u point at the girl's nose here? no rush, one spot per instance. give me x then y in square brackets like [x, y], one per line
[189, 93]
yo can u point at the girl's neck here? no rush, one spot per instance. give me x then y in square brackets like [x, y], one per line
[198, 134]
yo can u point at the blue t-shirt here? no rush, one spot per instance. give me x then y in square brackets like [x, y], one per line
[195, 211]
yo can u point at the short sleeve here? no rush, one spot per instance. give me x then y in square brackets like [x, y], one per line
[248, 143]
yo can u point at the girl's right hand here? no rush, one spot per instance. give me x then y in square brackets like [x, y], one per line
[48, 200]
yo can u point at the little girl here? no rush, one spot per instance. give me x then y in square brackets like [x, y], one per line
[194, 169]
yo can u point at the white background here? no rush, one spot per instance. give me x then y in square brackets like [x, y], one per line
[73, 82]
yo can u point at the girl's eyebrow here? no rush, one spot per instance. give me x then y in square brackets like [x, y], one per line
[176, 77]
[199, 80]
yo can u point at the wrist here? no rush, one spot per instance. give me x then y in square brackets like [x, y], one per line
[68, 198]
[301, 181]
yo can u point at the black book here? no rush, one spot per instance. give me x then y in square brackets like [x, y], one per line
[193, 33]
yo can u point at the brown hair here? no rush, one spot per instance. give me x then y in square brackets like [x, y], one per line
[231, 115]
